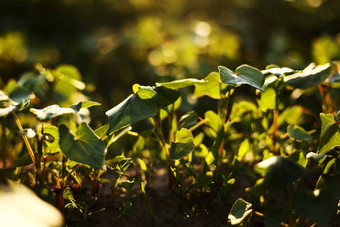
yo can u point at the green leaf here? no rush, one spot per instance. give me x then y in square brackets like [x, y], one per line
[277, 71]
[181, 83]
[211, 86]
[298, 133]
[84, 104]
[188, 120]
[20, 94]
[279, 171]
[244, 74]
[142, 105]
[311, 76]
[330, 133]
[267, 98]
[84, 147]
[239, 211]
[166, 96]
[183, 145]
[53, 131]
[50, 112]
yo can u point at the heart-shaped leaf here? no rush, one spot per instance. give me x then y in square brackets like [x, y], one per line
[239, 211]
[183, 145]
[244, 74]
[139, 106]
[84, 147]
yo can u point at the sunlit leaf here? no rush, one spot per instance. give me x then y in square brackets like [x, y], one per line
[139, 106]
[330, 133]
[239, 211]
[277, 71]
[298, 133]
[211, 87]
[244, 74]
[84, 104]
[181, 83]
[183, 145]
[51, 131]
[84, 147]
[50, 112]
[312, 75]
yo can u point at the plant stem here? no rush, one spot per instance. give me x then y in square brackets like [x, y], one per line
[28, 146]
[276, 116]
[148, 204]
[62, 183]
[165, 149]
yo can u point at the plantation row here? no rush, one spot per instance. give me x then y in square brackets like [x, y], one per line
[282, 134]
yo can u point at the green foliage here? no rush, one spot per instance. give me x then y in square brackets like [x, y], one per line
[239, 211]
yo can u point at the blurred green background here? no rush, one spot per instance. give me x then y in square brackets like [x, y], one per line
[115, 44]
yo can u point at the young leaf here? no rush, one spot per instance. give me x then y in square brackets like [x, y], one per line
[298, 133]
[330, 133]
[311, 76]
[244, 74]
[211, 87]
[84, 147]
[239, 211]
[183, 145]
[139, 106]
[53, 144]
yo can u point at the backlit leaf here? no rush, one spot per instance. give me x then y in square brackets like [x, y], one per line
[181, 83]
[330, 133]
[183, 145]
[211, 87]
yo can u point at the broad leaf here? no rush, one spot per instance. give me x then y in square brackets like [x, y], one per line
[239, 211]
[330, 133]
[244, 74]
[183, 145]
[298, 133]
[211, 87]
[139, 106]
[311, 76]
[84, 147]
[13, 108]
[181, 83]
